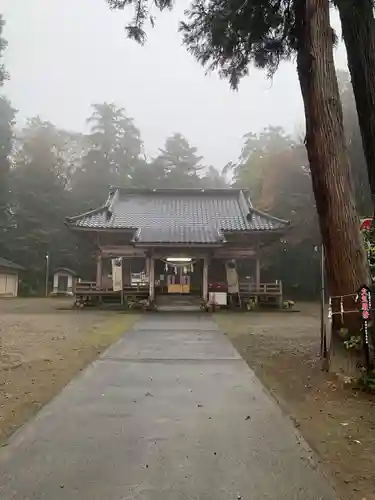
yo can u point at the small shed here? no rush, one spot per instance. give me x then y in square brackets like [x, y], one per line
[9, 278]
[64, 281]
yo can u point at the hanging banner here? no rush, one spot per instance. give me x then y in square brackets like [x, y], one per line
[117, 274]
[232, 277]
[364, 297]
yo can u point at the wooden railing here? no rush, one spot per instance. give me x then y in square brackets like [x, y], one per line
[85, 286]
[89, 287]
[274, 288]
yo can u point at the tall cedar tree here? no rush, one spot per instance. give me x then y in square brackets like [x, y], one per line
[7, 115]
[180, 163]
[230, 34]
[358, 30]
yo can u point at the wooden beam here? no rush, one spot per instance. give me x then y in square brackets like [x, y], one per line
[151, 277]
[234, 253]
[257, 269]
[121, 251]
[205, 279]
[99, 271]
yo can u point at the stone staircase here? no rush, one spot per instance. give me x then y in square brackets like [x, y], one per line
[178, 302]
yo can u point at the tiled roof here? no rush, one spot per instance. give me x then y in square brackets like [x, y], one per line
[178, 216]
[178, 234]
[9, 265]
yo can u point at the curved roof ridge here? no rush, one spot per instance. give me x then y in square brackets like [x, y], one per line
[130, 190]
[268, 216]
[87, 214]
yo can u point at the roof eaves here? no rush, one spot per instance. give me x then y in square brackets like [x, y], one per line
[181, 244]
[268, 216]
[94, 211]
[140, 191]
[66, 269]
[10, 265]
[247, 205]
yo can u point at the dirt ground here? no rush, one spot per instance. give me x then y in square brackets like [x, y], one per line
[337, 422]
[43, 345]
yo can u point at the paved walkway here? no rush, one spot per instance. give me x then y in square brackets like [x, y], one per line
[171, 412]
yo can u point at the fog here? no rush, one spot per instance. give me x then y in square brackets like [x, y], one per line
[64, 56]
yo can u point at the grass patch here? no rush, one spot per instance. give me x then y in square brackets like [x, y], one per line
[30, 384]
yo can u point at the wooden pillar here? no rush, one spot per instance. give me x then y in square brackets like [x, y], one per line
[205, 279]
[99, 271]
[151, 277]
[257, 269]
[126, 271]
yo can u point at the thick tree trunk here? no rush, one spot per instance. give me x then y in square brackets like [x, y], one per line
[346, 261]
[358, 30]
[345, 257]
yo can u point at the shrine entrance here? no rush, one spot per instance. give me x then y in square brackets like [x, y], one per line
[178, 274]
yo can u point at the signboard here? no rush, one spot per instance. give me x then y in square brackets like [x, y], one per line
[117, 274]
[364, 296]
[232, 277]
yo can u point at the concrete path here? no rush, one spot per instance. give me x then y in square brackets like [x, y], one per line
[171, 412]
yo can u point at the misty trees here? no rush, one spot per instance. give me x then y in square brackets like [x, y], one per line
[228, 35]
[38, 198]
[3, 46]
[180, 163]
[274, 167]
[358, 164]
[7, 116]
[346, 261]
[214, 179]
[113, 153]
[57, 173]
[358, 30]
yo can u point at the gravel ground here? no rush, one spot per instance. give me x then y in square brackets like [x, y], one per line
[43, 345]
[337, 422]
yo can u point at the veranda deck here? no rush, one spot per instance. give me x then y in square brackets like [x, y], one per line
[88, 293]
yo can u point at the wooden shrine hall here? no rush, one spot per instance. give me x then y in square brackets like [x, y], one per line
[179, 242]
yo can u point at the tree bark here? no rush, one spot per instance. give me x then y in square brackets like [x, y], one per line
[346, 262]
[358, 30]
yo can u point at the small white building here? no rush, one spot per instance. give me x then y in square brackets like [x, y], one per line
[64, 281]
[9, 278]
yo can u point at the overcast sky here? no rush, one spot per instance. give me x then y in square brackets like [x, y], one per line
[64, 55]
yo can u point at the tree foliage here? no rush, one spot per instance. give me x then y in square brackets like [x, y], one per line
[229, 35]
[180, 163]
[274, 167]
[113, 152]
[7, 116]
[53, 173]
[3, 46]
